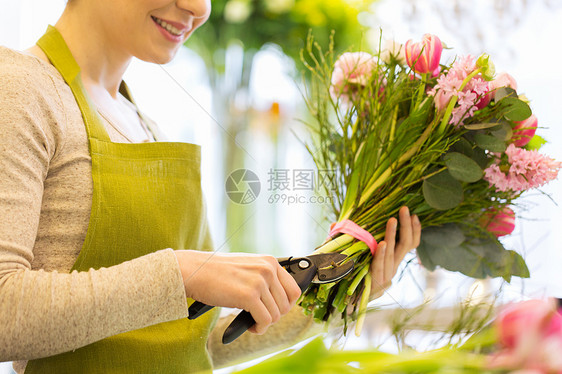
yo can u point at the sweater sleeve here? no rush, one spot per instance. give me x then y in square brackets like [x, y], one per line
[43, 313]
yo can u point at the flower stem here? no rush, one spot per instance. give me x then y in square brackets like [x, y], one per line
[334, 244]
[362, 313]
[384, 176]
[393, 124]
[358, 278]
[421, 89]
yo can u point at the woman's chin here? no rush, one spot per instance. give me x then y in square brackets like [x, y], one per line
[159, 57]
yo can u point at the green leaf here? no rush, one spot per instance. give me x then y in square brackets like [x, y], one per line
[481, 158]
[515, 109]
[474, 257]
[518, 266]
[462, 146]
[490, 143]
[457, 258]
[535, 143]
[462, 167]
[480, 126]
[496, 260]
[304, 360]
[442, 191]
[504, 92]
[449, 234]
[351, 193]
[503, 131]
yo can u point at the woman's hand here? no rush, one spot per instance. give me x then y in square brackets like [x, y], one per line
[390, 254]
[255, 283]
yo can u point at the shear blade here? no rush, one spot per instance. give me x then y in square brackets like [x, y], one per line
[331, 267]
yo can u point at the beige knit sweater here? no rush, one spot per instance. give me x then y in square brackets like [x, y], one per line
[45, 200]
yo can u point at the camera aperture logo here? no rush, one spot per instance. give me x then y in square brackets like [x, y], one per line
[243, 186]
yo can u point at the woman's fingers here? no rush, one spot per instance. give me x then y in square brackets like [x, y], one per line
[290, 291]
[263, 312]
[406, 232]
[410, 234]
[378, 269]
[390, 239]
[265, 318]
[386, 262]
[254, 283]
[417, 230]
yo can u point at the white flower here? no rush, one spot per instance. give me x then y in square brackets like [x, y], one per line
[393, 49]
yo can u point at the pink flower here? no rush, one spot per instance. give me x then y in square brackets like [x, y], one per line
[530, 335]
[524, 131]
[502, 80]
[499, 223]
[441, 100]
[436, 72]
[527, 169]
[424, 56]
[516, 320]
[484, 100]
[449, 85]
[352, 69]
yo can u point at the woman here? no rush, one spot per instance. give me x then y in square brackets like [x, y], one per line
[104, 233]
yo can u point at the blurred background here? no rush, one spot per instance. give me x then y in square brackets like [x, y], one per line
[236, 89]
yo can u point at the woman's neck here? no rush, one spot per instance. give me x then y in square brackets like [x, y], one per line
[102, 65]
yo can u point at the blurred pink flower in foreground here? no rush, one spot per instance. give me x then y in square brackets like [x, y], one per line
[524, 131]
[499, 223]
[351, 69]
[530, 336]
[424, 57]
[526, 170]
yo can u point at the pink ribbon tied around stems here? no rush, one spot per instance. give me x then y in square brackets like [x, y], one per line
[351, 228]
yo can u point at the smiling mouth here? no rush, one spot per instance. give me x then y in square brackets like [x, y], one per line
[165, 25]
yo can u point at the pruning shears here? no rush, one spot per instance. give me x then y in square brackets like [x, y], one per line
[316, 268]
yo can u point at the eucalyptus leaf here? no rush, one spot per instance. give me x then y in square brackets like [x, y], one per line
[474, 257]
[481, 126]
[490, 143]
[497, 261]
[515, 109]
[481, 158]
[502, 132]
[518, 266]
[502, 92]
[458, 258]
[442, 191]
[463, 168]
[462, 146]
[449, 234]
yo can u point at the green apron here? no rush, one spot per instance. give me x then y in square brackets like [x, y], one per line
[146, 197]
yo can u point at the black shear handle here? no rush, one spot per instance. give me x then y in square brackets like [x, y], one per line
[244, 320]
[197, 309]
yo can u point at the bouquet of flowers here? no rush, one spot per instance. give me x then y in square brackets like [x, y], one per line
[453, 142]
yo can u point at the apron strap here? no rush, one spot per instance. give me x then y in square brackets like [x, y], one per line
[126, 92]
[54, 46]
